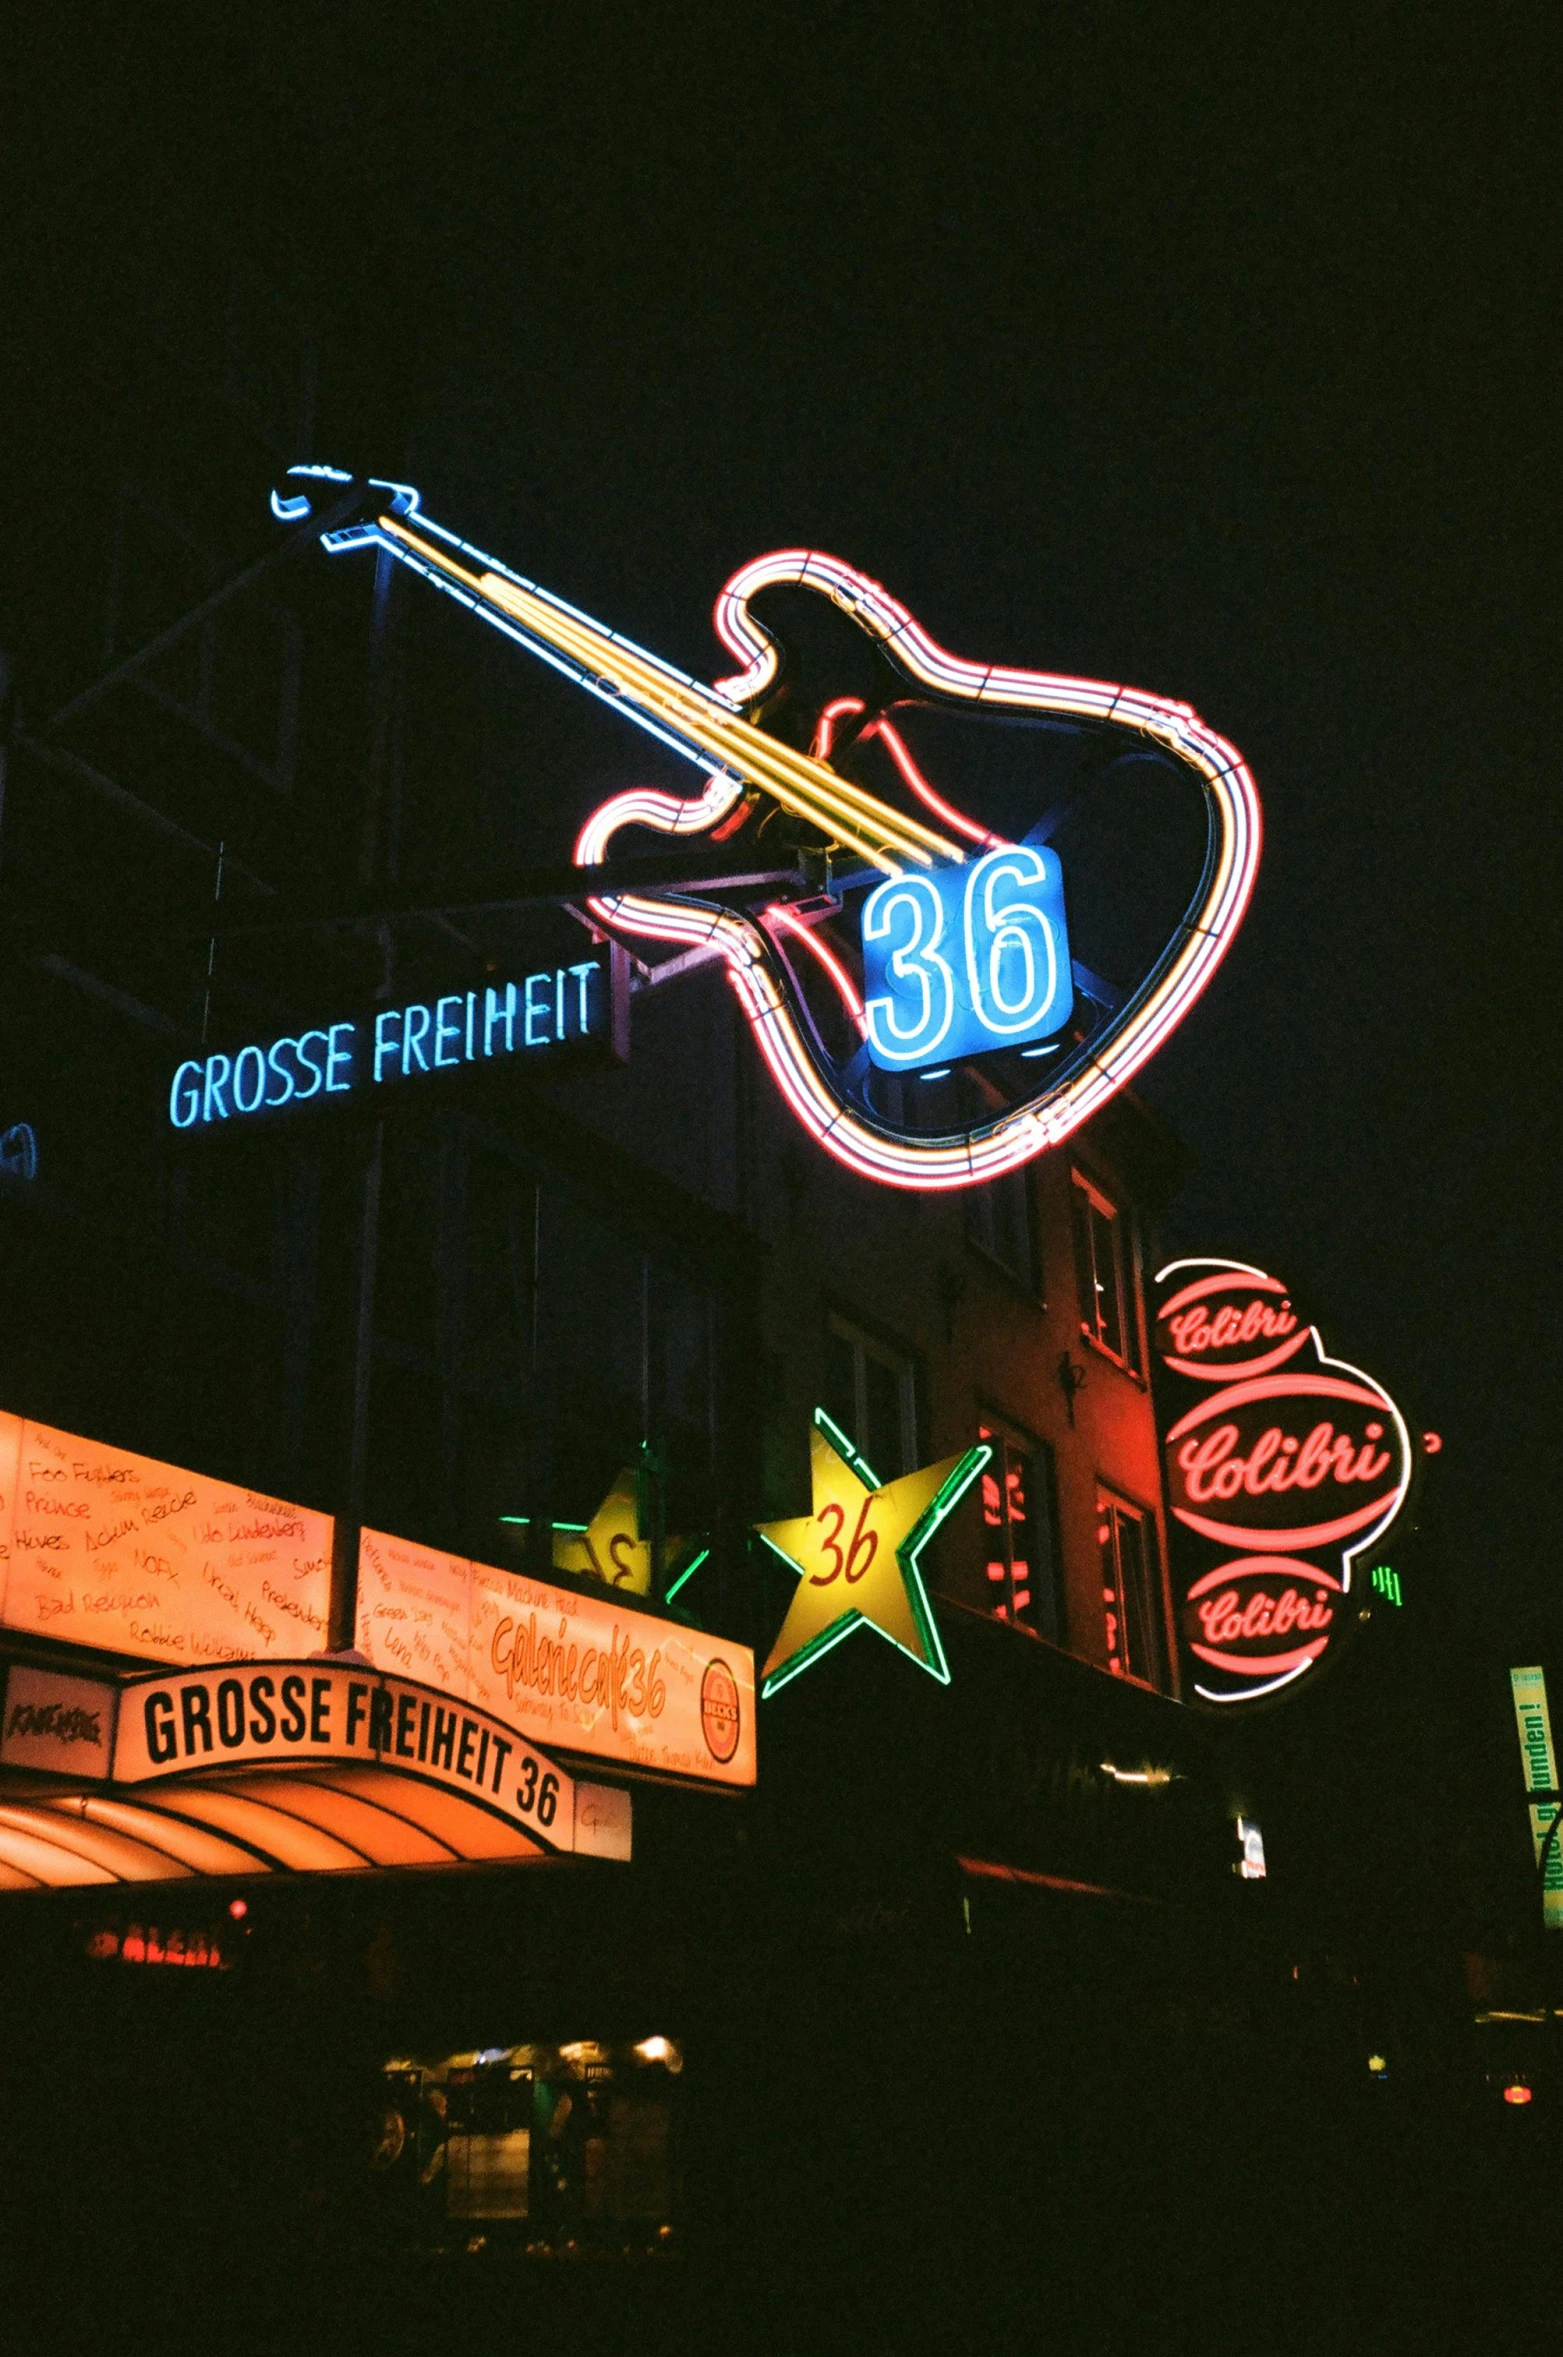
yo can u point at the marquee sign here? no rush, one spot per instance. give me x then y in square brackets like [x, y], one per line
[307, 1711]
[526, 1022]
[297, 1715]
[1282, 1466]
[938, 938]
[102, 1548]
[578, 1672]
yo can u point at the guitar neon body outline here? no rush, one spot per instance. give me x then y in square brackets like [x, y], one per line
[708, 726]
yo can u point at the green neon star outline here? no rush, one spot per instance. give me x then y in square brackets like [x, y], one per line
[908, 1555]
[688, 1573]
[577, 1529]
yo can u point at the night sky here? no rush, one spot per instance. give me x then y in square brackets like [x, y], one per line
[1202, 348]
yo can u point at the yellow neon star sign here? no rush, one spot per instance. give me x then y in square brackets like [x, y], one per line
[857, 1555]
[610, 1548]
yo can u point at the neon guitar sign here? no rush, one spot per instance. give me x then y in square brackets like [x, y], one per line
[962, 936]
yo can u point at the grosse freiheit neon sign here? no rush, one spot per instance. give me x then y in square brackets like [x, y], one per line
[940, 940]
[526, 1021]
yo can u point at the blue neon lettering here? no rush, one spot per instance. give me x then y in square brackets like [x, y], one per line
[336, 1056]
[259, 1095]
[216, 1082]
[308, 1063]
[413, 1036]
[280, 1071]
[443, 1030]
[256, 1077]
[503, 1011]
[1012, 941]
[190, 1101]
[909, 915]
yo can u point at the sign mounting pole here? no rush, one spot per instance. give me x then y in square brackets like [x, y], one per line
[376, 860]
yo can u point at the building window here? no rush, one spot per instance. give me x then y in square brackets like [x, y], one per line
[1130, 1590]
[871, 1392]
[1020, 1531]
[999, 1223]
[1104, 1251]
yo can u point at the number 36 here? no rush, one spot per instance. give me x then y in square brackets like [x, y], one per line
[966, 959]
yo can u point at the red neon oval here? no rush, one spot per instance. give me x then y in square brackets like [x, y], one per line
[1272, 1566]
[1260, 1665]
[1249, 1279]
[1516, 2094]
[1222, 1369]
[1225, 1372]
[1241, 1395]
[1318, 1534]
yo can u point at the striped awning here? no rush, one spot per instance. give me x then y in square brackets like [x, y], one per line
[327, 1819]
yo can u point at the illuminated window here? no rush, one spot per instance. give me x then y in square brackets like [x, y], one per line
[1131, 1604]
[871, 1392]
[1020, 1529]
[1104, 1256]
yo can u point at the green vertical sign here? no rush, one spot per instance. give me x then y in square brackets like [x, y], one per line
[1529, 1687]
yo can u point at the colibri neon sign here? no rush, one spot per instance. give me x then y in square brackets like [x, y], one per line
[936, 939]
[1283, 1466]
[526, 1021]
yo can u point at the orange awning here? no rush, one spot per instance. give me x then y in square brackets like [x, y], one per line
[322, 1820]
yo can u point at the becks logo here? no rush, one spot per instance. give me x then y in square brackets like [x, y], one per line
[720, 1718]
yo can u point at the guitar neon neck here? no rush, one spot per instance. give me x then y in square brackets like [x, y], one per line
[694, 720]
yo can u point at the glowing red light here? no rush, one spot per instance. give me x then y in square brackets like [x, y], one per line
[1516, 2094]
[1432, 1442]
[238, 1909]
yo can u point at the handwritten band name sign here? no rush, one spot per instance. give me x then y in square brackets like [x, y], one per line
[575, 1672]
[118, 1552]
[527, 1021]
[1282, 1465]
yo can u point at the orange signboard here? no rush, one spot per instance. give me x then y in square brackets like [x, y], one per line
[102, 1548]
[577, 1673]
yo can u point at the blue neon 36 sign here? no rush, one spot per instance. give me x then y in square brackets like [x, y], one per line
[963, 960]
